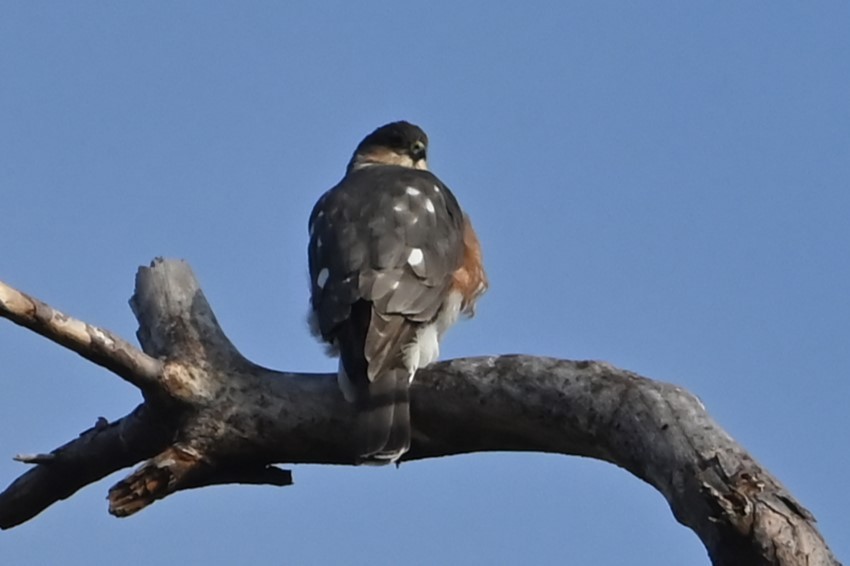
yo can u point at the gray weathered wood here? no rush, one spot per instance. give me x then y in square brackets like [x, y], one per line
[211, 416]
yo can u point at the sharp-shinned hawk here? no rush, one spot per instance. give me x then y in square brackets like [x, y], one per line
[393, 262]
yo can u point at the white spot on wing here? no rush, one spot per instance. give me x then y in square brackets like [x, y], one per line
[437, 189]
[322, 278]
[429, 206]
[416, 257]
[413, 191]
[316, 221]
[394, 286]
[400, 207]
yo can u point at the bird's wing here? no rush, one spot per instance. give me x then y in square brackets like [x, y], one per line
[390, 238]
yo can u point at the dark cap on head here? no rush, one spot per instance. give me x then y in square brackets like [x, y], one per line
[397, 143]
[398, 136]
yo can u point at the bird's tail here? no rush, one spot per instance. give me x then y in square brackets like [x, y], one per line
[382, 432]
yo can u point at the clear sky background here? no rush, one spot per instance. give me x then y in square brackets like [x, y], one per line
[661, 186]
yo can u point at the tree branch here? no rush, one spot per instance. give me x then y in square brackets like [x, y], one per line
[96, 453]
[93, 343]
[211, 416]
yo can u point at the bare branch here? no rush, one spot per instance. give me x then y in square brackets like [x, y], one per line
[181, 467]
[95, 344]
[35, 458]
[214, 417]
[96, 453]
[175, 319]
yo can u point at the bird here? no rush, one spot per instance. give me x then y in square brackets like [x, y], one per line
[393, 262]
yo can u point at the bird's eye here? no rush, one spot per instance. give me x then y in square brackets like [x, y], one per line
[417, 147]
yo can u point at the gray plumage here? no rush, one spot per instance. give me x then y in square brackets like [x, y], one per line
[384, 244]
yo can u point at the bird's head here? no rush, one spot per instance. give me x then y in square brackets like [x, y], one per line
[397, 143]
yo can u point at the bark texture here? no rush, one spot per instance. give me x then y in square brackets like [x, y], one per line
[210, 416]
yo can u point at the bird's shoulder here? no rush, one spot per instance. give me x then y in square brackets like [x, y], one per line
[373, 183]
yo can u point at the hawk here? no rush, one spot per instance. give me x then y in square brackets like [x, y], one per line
[393, 262]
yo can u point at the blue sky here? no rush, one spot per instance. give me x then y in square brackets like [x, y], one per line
[659, 186]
